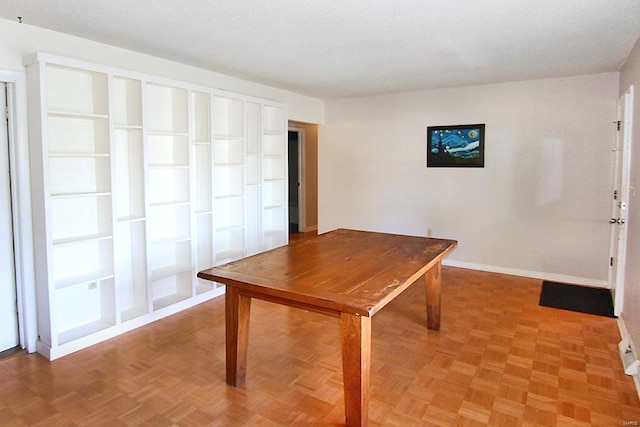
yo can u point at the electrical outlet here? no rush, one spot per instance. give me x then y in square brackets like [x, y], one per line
[429, 232]
[92, 286]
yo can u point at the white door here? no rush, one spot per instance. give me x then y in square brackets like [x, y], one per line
[8, 308]
[618, 239]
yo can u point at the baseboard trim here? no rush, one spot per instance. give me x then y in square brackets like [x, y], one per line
[552, 277]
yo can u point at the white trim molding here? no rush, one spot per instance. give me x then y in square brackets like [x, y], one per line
[575, 280]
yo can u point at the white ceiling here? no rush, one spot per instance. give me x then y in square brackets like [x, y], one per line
[333, 49]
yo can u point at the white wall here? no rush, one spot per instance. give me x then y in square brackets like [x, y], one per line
[18, 40]
[541, 204]
[630, 75]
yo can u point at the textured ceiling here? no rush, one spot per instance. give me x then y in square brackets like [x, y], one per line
[333, 49]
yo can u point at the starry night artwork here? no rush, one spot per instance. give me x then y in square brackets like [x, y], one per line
[455, 146]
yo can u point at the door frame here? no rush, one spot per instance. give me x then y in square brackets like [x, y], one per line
[9, 333]
[20, 180]
[302, 223]
[620, 207]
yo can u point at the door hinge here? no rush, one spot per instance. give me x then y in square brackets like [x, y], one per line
[618, 125]
[611, 262]
[615, 194]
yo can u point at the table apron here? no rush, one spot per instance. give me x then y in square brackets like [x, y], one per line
[288, 302]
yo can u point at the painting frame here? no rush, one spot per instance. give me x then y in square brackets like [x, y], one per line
[456, 146]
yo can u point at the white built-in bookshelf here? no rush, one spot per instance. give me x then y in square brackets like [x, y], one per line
[138, 184]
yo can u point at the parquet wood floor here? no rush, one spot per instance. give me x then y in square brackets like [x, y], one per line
[498, 360]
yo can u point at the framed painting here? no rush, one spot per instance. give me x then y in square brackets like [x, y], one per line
[455, 146]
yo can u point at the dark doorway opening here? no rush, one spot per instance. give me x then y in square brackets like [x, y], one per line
[294, 182]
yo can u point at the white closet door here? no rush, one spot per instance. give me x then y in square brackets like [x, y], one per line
[8, 310]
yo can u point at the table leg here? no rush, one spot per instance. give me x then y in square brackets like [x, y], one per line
[237, 309]
[432, 284]
[356, 357]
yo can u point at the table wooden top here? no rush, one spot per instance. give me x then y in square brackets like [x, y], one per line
[349, 271]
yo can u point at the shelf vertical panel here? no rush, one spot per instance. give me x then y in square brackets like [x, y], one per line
[38, 152]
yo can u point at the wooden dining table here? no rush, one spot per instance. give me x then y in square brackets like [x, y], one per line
[344, 273]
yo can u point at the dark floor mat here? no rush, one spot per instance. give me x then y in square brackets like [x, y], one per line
[577, 298]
